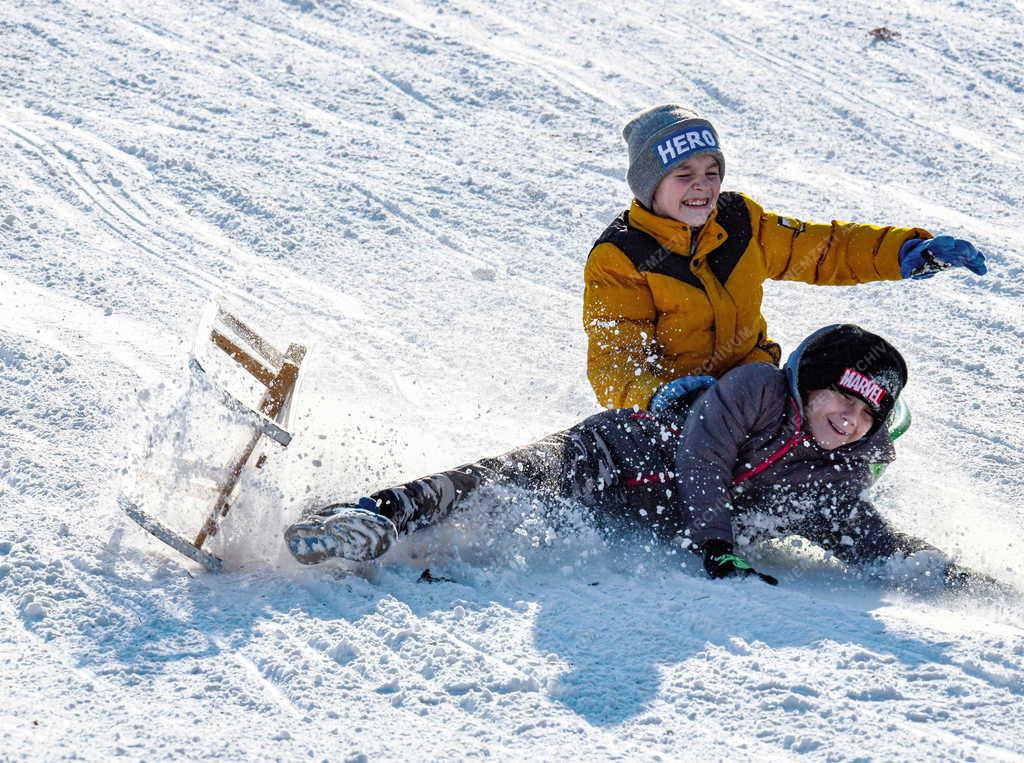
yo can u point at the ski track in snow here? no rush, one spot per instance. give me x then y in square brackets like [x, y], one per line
[410, 188]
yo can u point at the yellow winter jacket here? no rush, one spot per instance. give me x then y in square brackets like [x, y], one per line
[662, 300]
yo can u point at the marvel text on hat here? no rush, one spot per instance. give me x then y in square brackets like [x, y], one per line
[863, 385]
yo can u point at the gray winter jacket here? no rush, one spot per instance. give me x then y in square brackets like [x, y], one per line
[740, 460]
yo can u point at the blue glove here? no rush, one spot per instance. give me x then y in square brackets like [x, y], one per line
[923, 258]
[677, 389]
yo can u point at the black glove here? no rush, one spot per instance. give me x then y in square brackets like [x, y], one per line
[959, 578]
[721, 562]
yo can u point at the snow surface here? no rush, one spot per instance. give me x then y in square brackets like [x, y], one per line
[411, 188]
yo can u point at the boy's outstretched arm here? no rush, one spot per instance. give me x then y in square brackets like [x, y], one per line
[862, 535]
[830, 254]
[867, 537]
[745, 401]
[842, 253]
[748, 399]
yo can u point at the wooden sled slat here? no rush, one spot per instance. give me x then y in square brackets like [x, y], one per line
[263, 375]
[278, 372]
[168, 536]
[262, 422]
[269, 353]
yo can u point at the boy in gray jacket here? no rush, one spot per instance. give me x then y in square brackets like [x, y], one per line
[796, 444]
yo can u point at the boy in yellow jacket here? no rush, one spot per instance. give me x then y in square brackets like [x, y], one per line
[674, 284]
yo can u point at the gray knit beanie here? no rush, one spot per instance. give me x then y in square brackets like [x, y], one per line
[662, 137]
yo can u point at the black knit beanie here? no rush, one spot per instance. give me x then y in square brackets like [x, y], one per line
[855, 362]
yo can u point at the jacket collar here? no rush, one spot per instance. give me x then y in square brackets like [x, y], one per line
[670, 233]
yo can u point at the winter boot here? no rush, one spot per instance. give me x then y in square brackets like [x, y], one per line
[357, 532]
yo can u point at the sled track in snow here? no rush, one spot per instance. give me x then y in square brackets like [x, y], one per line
[166, 241]
[123, 223]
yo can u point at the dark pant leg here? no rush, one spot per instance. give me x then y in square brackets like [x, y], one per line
[429, 499]
[576, 463]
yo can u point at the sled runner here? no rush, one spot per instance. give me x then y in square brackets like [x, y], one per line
[276, 375]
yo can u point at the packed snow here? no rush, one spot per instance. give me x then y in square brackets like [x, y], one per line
[410, 189]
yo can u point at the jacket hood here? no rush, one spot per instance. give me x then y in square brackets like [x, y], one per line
[792, 365]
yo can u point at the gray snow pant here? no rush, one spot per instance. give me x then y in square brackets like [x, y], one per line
[597, 463]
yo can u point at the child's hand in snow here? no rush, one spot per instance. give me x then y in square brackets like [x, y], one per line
[721, 562]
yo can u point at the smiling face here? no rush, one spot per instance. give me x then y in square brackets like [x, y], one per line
[689, 192]
[835, 419]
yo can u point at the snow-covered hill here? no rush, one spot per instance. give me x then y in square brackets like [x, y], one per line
[411, 188]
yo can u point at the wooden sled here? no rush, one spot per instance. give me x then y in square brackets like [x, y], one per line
[278, 373]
